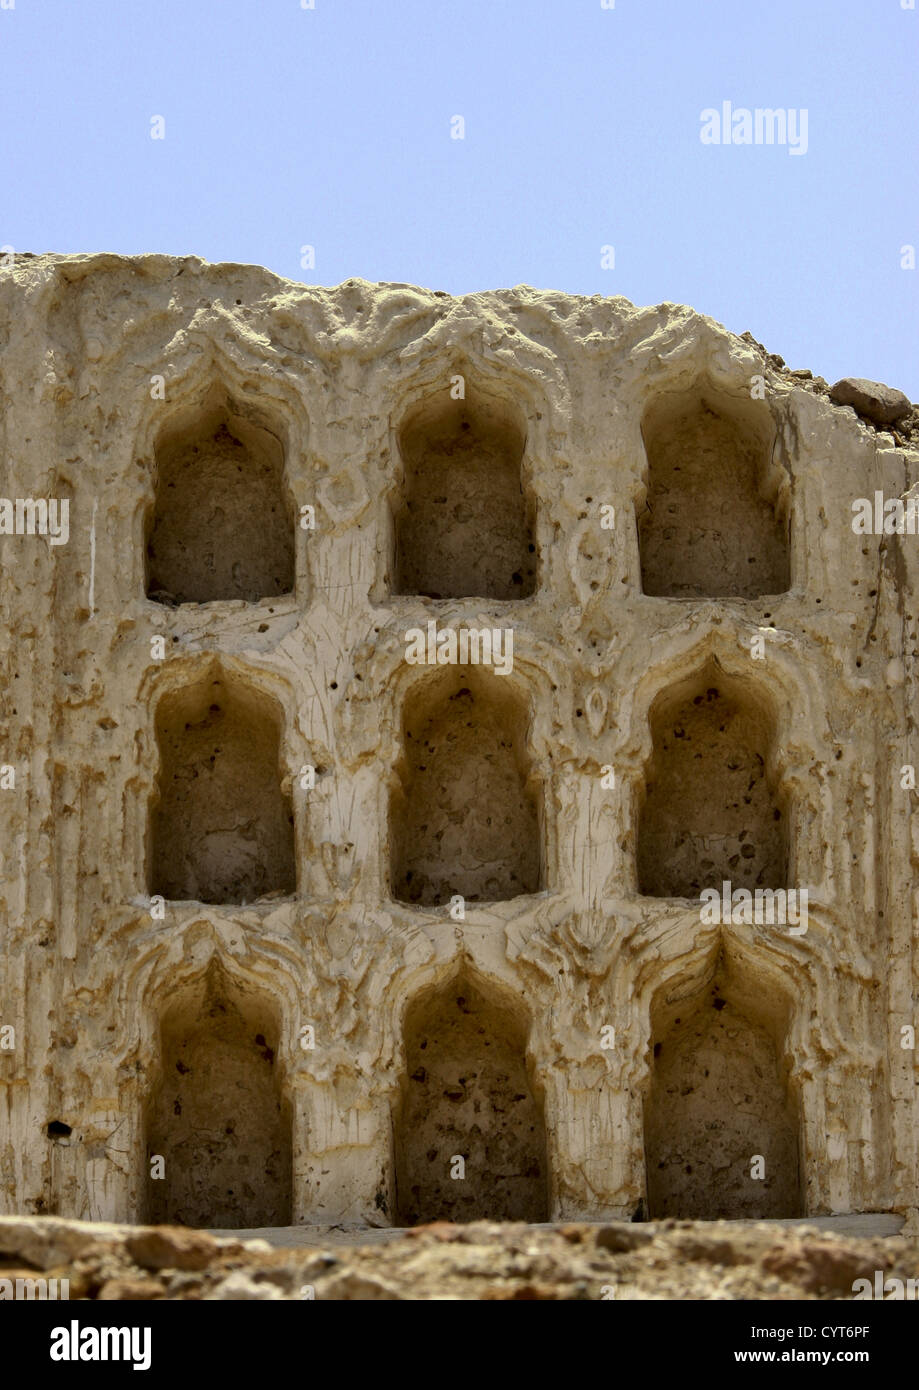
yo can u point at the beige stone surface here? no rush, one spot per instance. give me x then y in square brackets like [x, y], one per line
[478, 1260]
[280, 483]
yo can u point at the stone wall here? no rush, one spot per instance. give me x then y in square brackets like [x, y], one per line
[292, 921]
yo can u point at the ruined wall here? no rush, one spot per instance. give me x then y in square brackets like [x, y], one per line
[290, 921]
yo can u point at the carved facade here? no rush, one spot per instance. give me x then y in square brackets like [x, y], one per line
[290, 922]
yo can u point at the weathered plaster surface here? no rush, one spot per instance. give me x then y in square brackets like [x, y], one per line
[98, 986]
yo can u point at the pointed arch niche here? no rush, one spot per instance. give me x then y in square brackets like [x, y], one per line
[465, 811]
[221, 826]
[467, 1095]
[216, 1114]
[722, 1115]
[714, 520]
[713, 810]
[221, 525]
[464, 520]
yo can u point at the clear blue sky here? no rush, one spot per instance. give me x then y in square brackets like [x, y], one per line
[331, 127]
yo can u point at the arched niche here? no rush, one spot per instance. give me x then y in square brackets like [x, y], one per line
[217, 1118]
[467, 1095]
[464, 813]
[221, 524]
[463, 520]
[712, 811]
[221, 826]
[722, 1117]
[714, 521]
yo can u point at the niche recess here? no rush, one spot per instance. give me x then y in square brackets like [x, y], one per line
[221, 526]
[464, 525]
[715, 519]
[222, 829]
[467, 1095]
[217, 1115]
[710, 813]
[720, 1097]
[464, 815]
